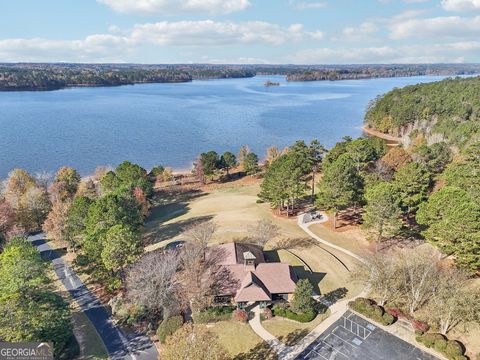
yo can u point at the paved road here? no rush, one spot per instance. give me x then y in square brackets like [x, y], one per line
[119, 345]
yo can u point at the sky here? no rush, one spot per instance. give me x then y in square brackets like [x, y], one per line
[240, 31]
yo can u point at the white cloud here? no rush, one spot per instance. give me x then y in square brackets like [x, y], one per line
[119, 45]
[97, 48]
[213, 33]
[307, 5]
[461, 5]
[363, 32]
[173, 7]
[447, 27]
[386, 54]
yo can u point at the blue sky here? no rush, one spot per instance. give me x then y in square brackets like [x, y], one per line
[241, 31]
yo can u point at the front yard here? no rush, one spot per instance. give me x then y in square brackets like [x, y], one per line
[241, 341]
[290, 332]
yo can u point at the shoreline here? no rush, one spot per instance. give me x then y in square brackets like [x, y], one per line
[389, 138]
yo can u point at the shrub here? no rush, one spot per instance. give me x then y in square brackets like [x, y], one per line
[267, 313]
[168, 327]
[440, 345]
[397, 313]
[240, 315]
[213, 314]
[388, 319]
[281, 310]
[420, 325]
[370, 309]
[453, 349]
[418, 332]
[377, 311]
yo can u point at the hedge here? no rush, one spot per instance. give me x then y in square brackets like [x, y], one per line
[213, 314]
[289, 314]
[168, 327]
[452, 349]
[371, 310]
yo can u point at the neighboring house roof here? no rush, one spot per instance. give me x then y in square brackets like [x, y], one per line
[253, 284]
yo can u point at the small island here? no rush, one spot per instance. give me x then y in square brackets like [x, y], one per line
[269, 83]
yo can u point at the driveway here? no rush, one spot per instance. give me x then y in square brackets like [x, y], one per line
[119, 345]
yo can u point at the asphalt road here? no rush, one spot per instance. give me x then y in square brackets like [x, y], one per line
[119, 345]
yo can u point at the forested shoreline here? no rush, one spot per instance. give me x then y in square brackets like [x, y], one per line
[51, 76]
[381, 71]
[43, 77]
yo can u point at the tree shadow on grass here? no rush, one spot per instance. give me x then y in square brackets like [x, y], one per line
[169, 231]
[262, 351]
[333, 296]
[168, 204]
[294, 337]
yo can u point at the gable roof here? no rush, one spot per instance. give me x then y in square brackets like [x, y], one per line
[252, 288]
[258, 284]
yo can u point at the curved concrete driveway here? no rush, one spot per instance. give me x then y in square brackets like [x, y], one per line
[119, 345]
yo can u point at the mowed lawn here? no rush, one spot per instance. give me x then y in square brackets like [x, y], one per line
[291, 332]
[236, 337]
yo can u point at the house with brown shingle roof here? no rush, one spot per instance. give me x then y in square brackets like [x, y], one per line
[252, 279]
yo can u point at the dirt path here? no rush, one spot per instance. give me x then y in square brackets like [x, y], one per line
[381, 135]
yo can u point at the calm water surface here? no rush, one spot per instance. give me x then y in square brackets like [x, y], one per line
[170, 124]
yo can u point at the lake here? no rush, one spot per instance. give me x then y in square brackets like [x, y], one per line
[170, 124]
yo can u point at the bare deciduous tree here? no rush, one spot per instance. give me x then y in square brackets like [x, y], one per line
[263, 231]
[454, 300]
[151, 282]
[382, 274]
[201, 233]
[201, 276]
[418, 275]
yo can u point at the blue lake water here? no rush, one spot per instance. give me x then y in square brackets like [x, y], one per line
[170, 124]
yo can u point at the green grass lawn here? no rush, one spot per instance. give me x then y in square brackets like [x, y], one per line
[237, 338]
[290, 332]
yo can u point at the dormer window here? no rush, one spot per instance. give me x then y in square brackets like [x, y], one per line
[249, 260]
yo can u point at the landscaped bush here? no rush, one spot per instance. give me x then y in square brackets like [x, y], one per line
[240, 316]
[371, 310]
[267, 313]
[452, 349]
[213, 314]
[397, 313]
[285, 311]
[168, 327]
[420, 325]
[440, 345]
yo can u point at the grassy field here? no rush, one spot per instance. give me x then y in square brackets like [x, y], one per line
[290, 332]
